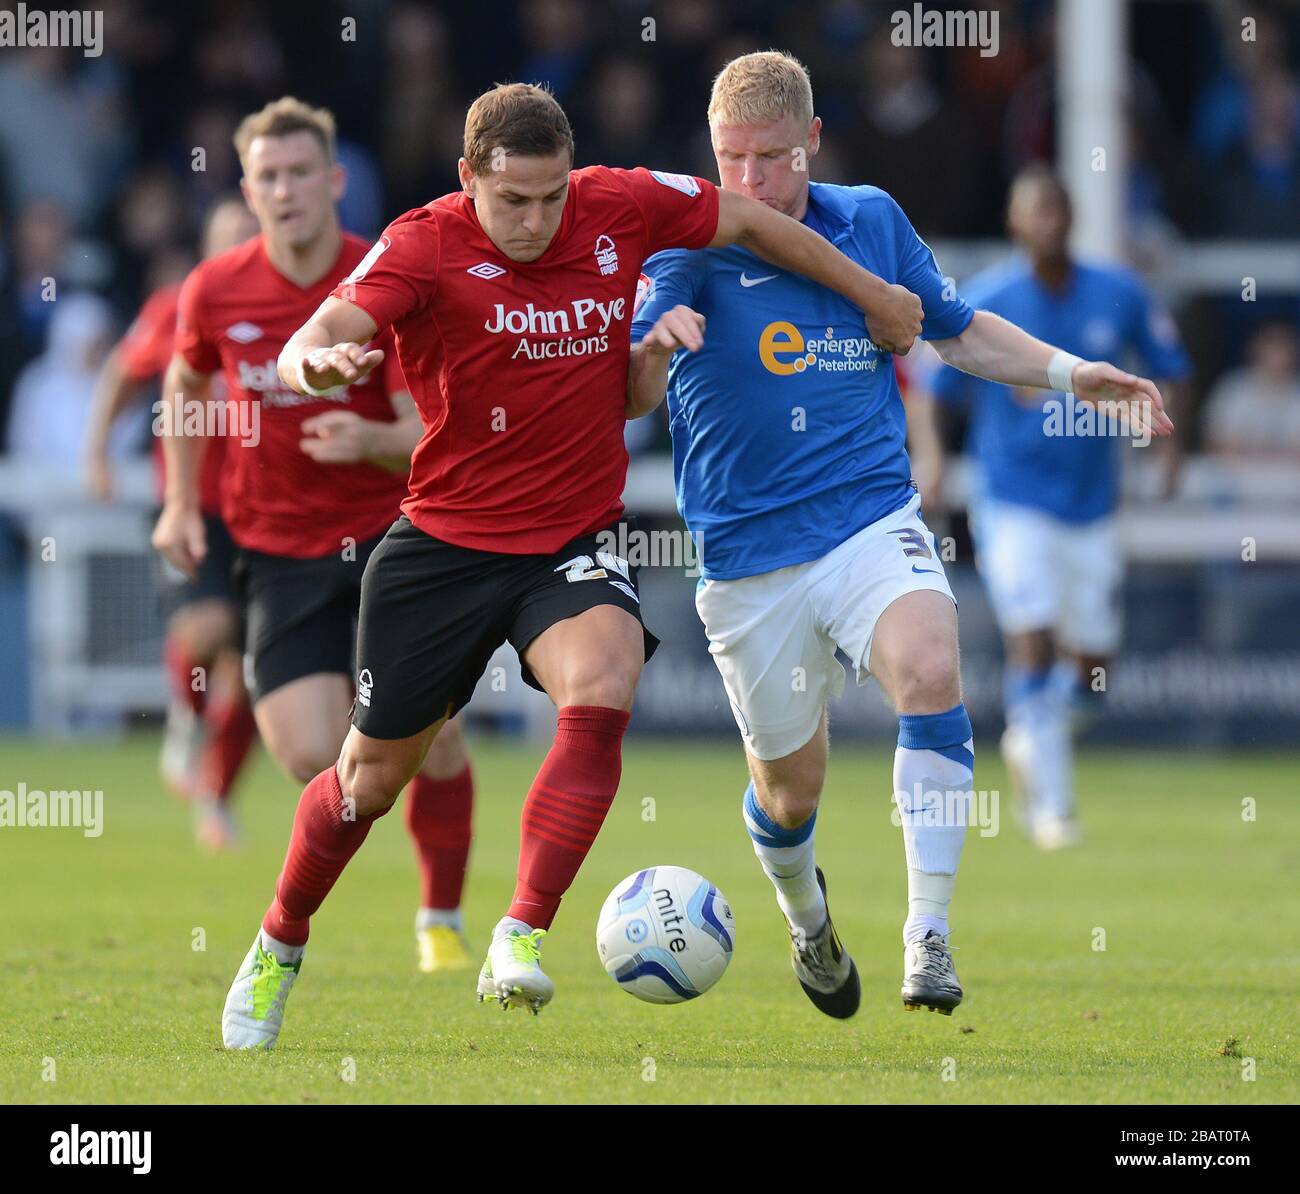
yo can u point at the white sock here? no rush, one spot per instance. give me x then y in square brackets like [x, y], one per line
[286, 955]
[933, 789]
[789, 860]
[1042, 717]
[508, 924]
[426, 918]
[928, 897]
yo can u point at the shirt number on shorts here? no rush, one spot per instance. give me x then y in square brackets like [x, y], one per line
[585, 568]
[914, 543]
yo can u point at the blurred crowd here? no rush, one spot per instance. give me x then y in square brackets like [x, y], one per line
[108, 164]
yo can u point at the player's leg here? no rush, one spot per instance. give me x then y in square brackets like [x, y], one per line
[1036, 745]
[303, 721]
[199, 627]
[1089, 632]
[230, 731]
[779, 670]
[914, 656]
[206, 733]
[588, 664]
[333, 818]
[431, 615]
[886, 603]
[439, 804]
[1019, 559]
[576, 624]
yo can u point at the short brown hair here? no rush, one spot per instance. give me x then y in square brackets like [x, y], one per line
[282, 117]
[761, 87]
[515, 118]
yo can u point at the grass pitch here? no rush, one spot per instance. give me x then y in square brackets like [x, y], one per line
[117, 950]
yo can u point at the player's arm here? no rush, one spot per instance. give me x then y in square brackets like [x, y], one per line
[647, 374]
[326, 353]
[893, 312]
[114, 392]
[344, 437]
[995, 349]
[179, 535]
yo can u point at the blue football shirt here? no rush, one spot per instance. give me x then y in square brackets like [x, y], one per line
[1101, 313]
[788, 428]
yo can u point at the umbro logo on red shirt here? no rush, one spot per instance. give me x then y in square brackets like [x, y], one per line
[244, 333]
[486, 269]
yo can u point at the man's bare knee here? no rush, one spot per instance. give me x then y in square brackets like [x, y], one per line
[605, 689]
[787, 801]
[372, 775]
[930, 683]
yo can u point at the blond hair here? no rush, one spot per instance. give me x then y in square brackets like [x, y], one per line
[282, 117]
[762, 87]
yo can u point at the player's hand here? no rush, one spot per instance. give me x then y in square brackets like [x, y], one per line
[679, 328]
[1099, 382]
[894, 319]
[337, 437]
[181, 538]
[339, 365]
[99, 477]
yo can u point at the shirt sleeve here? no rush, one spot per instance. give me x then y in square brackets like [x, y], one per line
[399, 274]
[667, 280]
[945, 313]
[680, 210]
[146, 348]
[1155, 338]
[193, 340]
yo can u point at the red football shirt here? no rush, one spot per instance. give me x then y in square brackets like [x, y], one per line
[143, 355]
[520, 370]
[237, 311]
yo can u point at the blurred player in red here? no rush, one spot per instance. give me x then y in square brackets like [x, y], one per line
[210, 727]
[309, 486]
[510, 301]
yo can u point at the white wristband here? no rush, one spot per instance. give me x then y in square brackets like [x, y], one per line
[1060, 371]
[308, 388]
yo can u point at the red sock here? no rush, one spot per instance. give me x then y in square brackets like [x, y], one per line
[231, 732]
[179, 665]
[325, 836]
[566, 807]
[439, 814]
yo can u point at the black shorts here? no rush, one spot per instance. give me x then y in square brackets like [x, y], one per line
[216, 574]
[300, 616]
[432, 614]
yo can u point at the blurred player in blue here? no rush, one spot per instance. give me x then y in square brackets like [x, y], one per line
[793, 478]
[1046, 489]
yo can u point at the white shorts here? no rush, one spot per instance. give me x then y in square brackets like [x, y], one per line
[1044, 573]
[774, 635]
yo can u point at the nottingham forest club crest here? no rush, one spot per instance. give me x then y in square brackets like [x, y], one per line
[606, 257]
